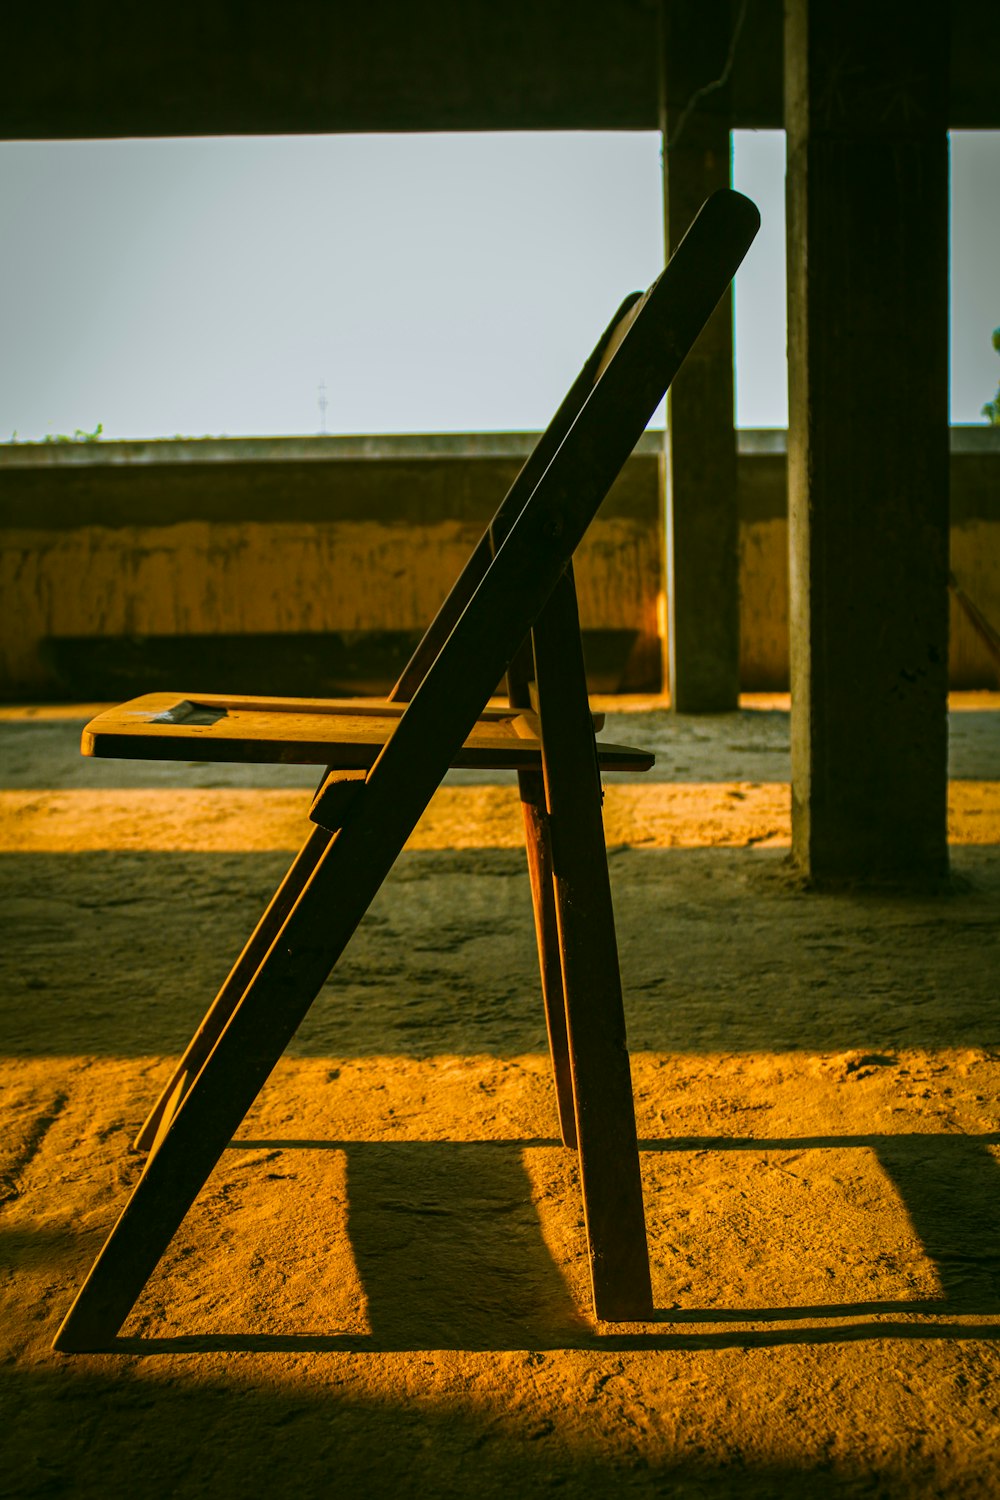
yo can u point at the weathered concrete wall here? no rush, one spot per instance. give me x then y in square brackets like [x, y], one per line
[975, 557]
[763, 562]
[228, 558]
[321, 560]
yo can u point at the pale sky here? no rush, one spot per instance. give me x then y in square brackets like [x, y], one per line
[432, 283]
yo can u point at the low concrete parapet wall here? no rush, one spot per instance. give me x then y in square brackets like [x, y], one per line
[975, 556]
[313, 565]
[283, 566]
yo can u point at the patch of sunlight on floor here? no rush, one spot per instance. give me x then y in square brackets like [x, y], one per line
[662, 815]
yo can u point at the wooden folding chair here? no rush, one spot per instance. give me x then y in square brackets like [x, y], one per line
[385, 762]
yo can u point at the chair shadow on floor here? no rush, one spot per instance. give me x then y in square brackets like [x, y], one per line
[450, 1251]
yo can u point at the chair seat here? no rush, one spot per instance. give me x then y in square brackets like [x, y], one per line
[342, 733]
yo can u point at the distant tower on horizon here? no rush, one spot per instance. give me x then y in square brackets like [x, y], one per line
[323, 403]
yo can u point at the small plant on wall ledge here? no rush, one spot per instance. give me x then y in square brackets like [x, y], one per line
[991, 411]
[78, 436]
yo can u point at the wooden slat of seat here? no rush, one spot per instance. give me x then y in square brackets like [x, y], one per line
[341, 734]
[185, 706]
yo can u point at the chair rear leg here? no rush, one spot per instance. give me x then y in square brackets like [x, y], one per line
[539, 852]
[602, 1081]
[219, 1012]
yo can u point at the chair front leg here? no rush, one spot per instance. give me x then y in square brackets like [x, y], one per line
[214, 1021]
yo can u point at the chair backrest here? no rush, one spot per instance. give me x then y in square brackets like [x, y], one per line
[656, 328]
[555, 498]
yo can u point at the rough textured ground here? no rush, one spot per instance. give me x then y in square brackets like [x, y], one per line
[383, 1287]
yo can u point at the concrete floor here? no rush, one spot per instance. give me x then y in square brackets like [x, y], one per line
[383, 1286]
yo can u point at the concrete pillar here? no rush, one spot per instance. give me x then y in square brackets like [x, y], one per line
[865, 107]
[702, 522]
